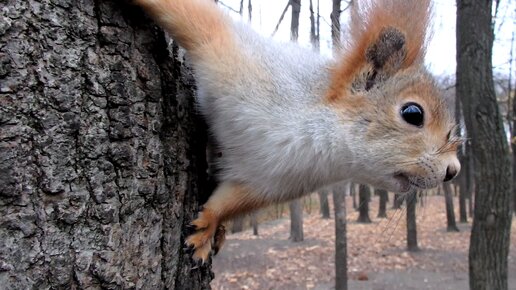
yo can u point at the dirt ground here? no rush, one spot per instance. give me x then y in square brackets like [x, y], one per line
[377, 258]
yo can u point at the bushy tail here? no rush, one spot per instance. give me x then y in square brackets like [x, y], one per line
[196, 24]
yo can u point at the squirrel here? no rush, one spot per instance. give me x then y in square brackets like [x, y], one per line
[289, 121]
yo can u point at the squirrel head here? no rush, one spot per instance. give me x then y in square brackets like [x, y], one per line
[403, 133]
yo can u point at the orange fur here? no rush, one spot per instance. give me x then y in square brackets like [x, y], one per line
[409, 17]
[196, 24]
[228, 201]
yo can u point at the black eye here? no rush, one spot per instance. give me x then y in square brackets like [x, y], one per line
[413, 114]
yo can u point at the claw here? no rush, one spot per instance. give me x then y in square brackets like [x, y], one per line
[189, 229]
[188, 249]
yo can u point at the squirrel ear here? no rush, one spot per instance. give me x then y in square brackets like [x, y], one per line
[385, 55]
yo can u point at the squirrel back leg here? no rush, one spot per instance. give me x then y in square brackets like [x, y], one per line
[227, 201]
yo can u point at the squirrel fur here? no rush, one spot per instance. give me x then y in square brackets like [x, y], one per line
[289, 121]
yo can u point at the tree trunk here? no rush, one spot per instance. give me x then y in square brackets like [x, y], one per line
[490, 233]
[384, 195]
[411, 200]
[296, 206]
[463, 187]
[250, 11]
[102, 158]
[353, 193]
[323, 201]
[254, 223]
[463, 157]
[313, 36]
[341, 255]
[450, 213]
[294, 21]
[398, 201]
[237, 224]
[296, 220]
[363, 206]
[335, 24]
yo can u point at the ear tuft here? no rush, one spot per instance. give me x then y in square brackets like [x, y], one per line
[390, 44]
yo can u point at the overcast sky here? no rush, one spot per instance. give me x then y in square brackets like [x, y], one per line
[441, 52]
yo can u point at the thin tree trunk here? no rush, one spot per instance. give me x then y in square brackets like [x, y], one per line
[294, 21]
[324, 204]
[384, 195]
[341, 255]
[335, 24]
[241, 9]
[398, 201]
[237, 224]
[411, 223]
[353, 193]
[313, 36]
[450, 213]
[102, 157]
[296, 206]
[254, 222]
[490, 233]
[318, 28]
[281, 18]
[296, 220]
[363, 206]
[250, 11]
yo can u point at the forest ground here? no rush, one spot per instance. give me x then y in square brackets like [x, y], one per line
[377, 258]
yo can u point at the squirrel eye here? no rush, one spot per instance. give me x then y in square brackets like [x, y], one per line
[413, 114]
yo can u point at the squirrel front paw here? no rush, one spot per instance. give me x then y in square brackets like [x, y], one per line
[205, 229]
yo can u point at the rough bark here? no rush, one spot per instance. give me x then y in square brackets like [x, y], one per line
[296, 220]
[102, 158]
[341, 255]
[411, 200]
[490, 234]
[384, 196]
[324, 204]
[450, 213]
[363, 204]
[462, 178]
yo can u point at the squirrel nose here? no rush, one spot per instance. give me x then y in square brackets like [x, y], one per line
[451, 172]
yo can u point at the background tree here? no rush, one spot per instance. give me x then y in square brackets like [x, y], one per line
[341, 251]
[353, 193]
[397, 201]
[382, 208]
[254, 222]
[450, 213]
[324, 204]
[363, 204]
[102, 159]
[237, 224]
[490, 234]
[295, 206]
[335, 24]
[411, 201]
